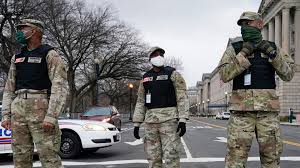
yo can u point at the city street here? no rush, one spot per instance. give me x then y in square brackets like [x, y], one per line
[204, 146]
[91, 67]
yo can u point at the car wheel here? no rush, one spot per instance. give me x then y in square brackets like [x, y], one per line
[91, 150]
[70, 145]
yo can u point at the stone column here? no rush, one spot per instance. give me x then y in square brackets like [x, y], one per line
[297, 35]
[278, 32]
[271, 31]
[286, 29]
[265, 33]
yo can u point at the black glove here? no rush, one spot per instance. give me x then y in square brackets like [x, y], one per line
[248, 48]
[136, 132]
[267, 49]
[182, 128]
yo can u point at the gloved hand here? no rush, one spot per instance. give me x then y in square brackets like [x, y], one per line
[136, 132]
[248, 48]
[6, 124]
[267, 49]
[182, 128]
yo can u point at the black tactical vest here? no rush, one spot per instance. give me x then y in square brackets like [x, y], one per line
[262, 72]
[31, 69]
[161, 88]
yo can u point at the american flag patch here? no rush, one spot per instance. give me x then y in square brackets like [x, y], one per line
[147, 79]
[20, 60]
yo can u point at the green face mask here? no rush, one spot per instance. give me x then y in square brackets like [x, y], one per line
[251, 34]
[21, 38]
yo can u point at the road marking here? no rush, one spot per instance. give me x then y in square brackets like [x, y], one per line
[186, 149]
[126, 129]
[291, 143]
[212, 125]
[200, 127]
[221, 139]
[136, 142]
[284, 141]
[142, 161]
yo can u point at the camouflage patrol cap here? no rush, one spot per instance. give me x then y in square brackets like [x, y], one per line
[32, 23]
[249, 16]
[153, 49]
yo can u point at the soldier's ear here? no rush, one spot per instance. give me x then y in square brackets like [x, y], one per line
[260, 24]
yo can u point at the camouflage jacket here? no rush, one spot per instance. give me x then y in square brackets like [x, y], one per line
[159, 115]
[232, 65]
[59, 89]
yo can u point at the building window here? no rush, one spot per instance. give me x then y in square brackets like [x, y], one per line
[293, 36]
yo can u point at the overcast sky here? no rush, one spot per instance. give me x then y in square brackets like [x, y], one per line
[196, 31]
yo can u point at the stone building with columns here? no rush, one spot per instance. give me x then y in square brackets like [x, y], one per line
[213, 93]
[282, 26]
[192, 94]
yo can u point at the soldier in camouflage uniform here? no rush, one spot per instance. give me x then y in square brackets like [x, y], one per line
[34, 96]
[252, 63]
[163, 106]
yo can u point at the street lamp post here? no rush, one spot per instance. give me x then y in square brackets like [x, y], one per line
[198, 109]
[97, 68]
[208, 106]
[130, 101]
[203, 102]
[226, 101]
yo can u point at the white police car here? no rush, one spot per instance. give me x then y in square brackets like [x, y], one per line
[77, 136]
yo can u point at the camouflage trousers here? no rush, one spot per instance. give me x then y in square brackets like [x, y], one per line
[162, 142]
[242, 127]
[27, 120]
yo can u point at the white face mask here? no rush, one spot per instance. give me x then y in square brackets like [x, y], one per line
[158, 61]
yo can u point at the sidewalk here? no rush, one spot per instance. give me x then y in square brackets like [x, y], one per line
[295, 124]
[126, 120]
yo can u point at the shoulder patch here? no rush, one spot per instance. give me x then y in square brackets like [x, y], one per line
[18, 60]
[148, 79]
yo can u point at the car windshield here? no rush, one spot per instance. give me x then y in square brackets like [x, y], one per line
[226, 113]
[64, 116]
[98, 111]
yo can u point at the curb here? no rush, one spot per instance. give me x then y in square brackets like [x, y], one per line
[126, 121]
[288, 124]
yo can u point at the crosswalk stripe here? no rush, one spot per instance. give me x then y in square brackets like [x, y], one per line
[218, 126]
[137, 161]
[186, 149]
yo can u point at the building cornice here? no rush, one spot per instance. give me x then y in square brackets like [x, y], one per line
[270, 12]
[265, 5]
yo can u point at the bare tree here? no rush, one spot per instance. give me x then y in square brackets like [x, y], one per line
[11, 11]
[81, 35]
[118, 92]
[114, 89]
[174, 62]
